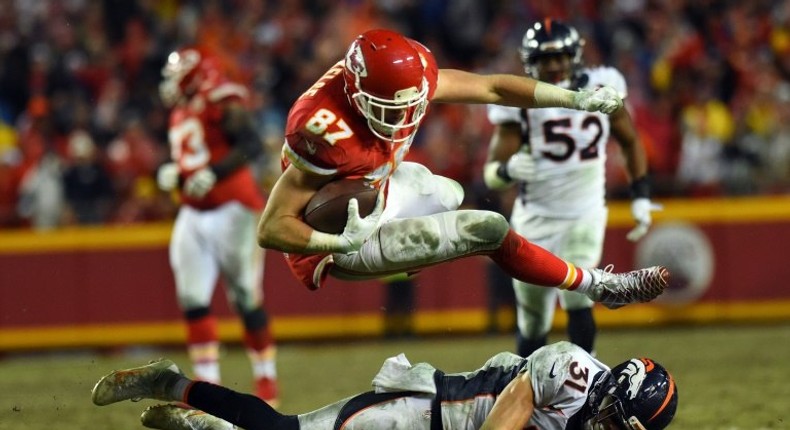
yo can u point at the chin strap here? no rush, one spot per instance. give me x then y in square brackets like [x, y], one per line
[635, 424]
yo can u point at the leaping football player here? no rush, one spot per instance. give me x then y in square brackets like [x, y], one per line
[358, 121]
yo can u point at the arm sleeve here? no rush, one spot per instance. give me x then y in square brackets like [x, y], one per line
[611, 77]
[245, 142]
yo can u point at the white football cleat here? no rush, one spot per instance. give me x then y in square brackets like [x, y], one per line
[145, 382]
[615, 290]
[174, 417]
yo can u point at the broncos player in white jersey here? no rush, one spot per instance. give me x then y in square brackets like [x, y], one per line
[559, 386]
[557, 157]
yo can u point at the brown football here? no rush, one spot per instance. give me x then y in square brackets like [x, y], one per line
[327, 211]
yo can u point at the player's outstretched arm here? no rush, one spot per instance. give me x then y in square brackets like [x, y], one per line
[514, 406]
[457, 86]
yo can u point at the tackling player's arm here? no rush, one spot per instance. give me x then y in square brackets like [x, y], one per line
[457, 86]
[514, 406]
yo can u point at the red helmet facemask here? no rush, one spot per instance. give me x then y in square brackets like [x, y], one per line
[385, 81]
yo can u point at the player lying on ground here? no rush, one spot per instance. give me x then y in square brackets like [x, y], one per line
[559, 386]
[358, 121]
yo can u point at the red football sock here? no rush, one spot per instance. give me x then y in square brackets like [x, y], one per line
[262, 354]
[530, 263]
[258, 339]
[202, 330]
[203, 348]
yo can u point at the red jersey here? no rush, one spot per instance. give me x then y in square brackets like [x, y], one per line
[197, 140]
[325, 135]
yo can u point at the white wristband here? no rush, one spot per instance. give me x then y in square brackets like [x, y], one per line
[547, 95]
[321, 242]
[491, 178]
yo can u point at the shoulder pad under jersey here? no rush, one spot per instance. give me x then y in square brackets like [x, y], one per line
[560, 373]
[609, 76]
[503, 114]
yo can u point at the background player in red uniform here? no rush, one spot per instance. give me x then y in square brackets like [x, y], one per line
[358, 121]
[212, 140]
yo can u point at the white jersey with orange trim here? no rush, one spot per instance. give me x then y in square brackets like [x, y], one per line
[561, 374]
[569, 149]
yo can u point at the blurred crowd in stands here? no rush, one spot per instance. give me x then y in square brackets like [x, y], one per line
[82, 130]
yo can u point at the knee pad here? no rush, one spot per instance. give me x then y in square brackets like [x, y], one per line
[255, 319]
[420, 241]
[196, 313]
[526, 346]
[482, 226]
[534, 309]
[453, 194]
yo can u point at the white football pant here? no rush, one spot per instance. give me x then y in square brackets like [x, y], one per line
[205, 244]
[576, 240]
[421, 226]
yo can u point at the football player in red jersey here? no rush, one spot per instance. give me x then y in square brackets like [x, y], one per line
[358, 121]
[212, 140]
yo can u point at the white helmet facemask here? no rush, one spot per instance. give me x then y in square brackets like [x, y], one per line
[386, 117]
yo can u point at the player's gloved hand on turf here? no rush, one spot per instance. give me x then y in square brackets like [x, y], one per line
[167, 176]
[603, 99]
[521, 167]
[640, 209]
[359, 229]
[200, 183]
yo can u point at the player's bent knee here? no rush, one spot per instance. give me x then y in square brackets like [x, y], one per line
[189, 300]
[482, 226]
[454, 195]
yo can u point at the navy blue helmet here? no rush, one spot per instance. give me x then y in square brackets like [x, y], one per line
[551, 37]
[638, 394]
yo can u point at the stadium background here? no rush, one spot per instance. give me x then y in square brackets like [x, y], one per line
[709, 88]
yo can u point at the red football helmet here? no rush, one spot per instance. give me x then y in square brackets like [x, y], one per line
[385, 81]
[186, 72]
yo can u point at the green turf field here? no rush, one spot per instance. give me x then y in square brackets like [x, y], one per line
[728, 377]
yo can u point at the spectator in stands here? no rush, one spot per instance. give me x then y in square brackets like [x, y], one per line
[86, 182]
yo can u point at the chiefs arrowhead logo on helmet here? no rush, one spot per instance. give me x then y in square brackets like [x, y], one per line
[355, 62]
[386, 83]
